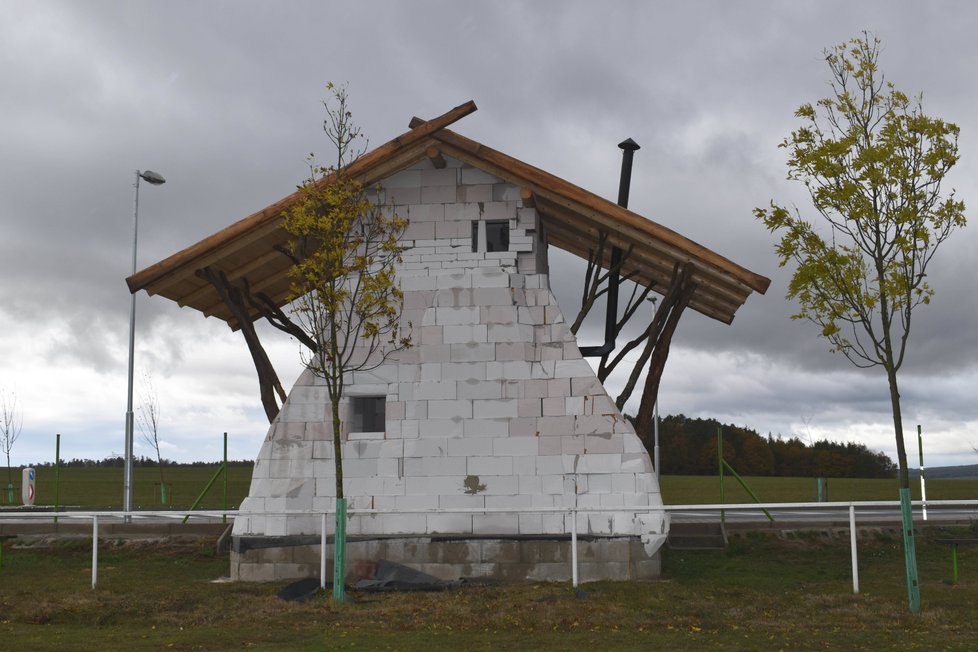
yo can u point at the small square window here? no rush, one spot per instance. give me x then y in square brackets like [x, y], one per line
[490, 235]
[368, 414]
[497, 235]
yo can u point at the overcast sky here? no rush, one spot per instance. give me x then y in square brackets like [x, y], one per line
[224, 100]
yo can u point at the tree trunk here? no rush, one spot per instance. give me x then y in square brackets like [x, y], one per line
[902, 475]
[909, 541]
[339, 540]
[337, 446]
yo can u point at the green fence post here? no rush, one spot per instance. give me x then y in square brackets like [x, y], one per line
[723, 515]
[743, 483]
[210, 483]
[909, 551]
[339, 552]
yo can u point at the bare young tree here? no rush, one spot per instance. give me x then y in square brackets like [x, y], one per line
[148, 421]
[11, 421]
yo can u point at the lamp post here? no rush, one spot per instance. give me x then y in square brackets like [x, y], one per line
[155, 179]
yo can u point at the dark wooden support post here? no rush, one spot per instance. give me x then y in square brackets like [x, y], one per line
[268, 381]
[683, 293]
[275, 316]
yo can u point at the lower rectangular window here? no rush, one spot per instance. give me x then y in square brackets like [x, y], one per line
[368, 414]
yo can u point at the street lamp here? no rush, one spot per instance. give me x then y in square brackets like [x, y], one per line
[155, 179]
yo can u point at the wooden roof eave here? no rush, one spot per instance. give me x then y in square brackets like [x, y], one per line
[717, 296]
[242, 249]
[369, 168]
[663, 258]
[565, 193]
[711, 305]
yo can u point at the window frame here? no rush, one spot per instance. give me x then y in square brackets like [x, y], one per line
[362, 419]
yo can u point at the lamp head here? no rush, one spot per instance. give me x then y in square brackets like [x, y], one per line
[152, 177]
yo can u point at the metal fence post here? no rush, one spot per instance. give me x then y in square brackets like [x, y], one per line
[574, 547]
[224, 519]
[94, 551]
[322, 555]
[852, 544]
[57, 475]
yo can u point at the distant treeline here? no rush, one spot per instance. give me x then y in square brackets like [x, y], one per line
[143, 461]
[689, 447]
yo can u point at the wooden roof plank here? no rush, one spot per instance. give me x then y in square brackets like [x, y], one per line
[552, 186]
[195, 254]
[723, 283]
[567, 211]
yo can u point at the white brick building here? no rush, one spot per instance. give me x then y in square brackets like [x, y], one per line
[492, 408]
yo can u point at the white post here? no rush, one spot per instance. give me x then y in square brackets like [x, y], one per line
[94, 551]
[923, 484]
[923, 493]
[574, 547]
[655, 451]
[852, 544]
[322, 555]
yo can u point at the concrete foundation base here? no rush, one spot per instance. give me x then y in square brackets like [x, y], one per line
[506, 559]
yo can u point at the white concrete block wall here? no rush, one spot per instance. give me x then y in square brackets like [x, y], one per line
[492, 407]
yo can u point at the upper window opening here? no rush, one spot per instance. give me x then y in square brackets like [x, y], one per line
[492, 235]
[497, 236]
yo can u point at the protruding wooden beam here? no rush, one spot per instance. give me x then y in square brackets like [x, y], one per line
[528, 198]
[435, 157]
[416, 122]
[268, 382]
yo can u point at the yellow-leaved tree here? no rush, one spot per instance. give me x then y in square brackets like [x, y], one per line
[873, 164]
[344, 293]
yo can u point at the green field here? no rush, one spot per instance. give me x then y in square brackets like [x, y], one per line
[761, 594]
[101, 488]
[698, 490]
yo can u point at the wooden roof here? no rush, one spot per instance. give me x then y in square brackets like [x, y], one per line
[248, 250]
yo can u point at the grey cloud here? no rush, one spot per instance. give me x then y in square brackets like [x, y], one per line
[223, 98]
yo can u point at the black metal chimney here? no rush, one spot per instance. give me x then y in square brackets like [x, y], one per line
[628, 148]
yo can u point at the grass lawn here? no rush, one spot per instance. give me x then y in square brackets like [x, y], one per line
[761, 594]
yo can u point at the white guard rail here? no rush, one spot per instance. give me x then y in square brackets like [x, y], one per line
[573, 511]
